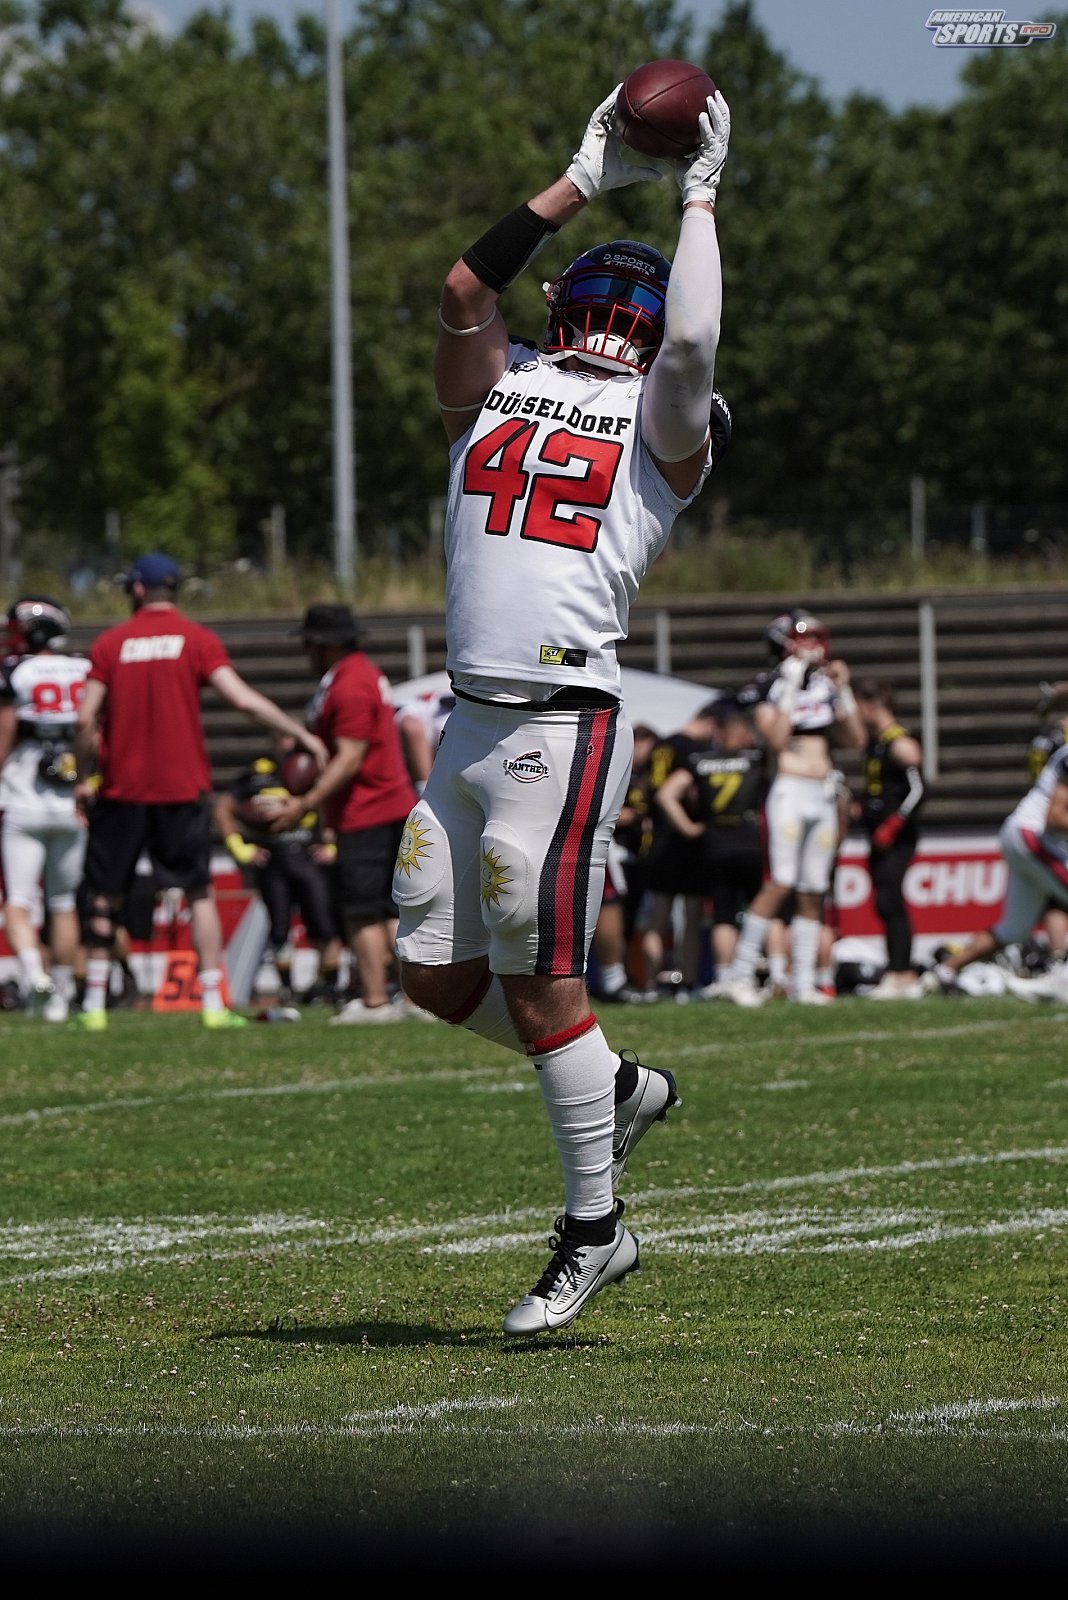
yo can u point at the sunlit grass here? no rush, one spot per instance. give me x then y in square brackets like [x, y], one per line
[258, 1280]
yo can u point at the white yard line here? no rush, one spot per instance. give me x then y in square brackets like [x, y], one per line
[465, 1075]
[69, 1248]
[964, 1419]
[818, 1041]
[490, 1077]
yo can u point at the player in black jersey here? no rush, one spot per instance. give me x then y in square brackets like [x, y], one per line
[287, 868]
[674, 858]
[715, 798]
[894, 792]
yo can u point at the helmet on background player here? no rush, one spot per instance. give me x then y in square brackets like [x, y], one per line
[36, 623]
[608, 306]
[797, 633]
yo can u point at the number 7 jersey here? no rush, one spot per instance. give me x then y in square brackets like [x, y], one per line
[555, 512]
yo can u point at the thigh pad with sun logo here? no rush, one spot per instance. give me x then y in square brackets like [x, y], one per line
[505, 880]
[421, 858]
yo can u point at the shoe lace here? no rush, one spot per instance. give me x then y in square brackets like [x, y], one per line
[564, 1261]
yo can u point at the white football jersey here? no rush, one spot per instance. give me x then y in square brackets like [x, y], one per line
[813, 710]
[555, 511]
[432, 710]
[1034, 807]
[46, 690]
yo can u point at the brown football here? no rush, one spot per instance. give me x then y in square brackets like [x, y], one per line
[658, 106]
[298, 771]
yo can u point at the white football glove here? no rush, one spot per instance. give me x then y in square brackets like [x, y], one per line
[699, 177]
[793, 670]
[600, 162]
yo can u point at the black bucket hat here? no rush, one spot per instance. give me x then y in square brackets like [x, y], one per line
[327, 623]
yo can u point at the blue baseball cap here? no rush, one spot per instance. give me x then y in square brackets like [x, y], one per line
[155, 571]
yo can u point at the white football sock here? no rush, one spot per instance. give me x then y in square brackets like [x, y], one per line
[805, 938]
[750, 947]
[97, 973]
[211, 989]
[577, 1082]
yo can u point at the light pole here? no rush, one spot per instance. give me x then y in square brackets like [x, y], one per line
[341, 339]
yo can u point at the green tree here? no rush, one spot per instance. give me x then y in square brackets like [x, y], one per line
[192, 173]
[894, 283]
[150, 427]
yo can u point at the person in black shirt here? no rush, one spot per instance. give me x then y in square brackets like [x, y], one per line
[288, 869]
[894, 791]
[673, 861]
[716, 799]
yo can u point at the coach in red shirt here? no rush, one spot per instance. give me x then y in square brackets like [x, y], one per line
[365, 794]
[140, 723]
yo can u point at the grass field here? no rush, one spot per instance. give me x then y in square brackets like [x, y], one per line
[254, 1282]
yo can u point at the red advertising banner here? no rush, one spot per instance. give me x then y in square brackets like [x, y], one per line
[954, 886]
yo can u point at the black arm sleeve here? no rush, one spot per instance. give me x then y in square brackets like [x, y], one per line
[506, 248]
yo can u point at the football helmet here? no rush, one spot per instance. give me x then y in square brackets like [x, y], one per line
[608, 306]
[36, 623]
[797, 633]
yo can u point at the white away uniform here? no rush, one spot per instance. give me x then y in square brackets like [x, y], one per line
[1037, 860]
[555, 510]
[802, 813]
[42, 839]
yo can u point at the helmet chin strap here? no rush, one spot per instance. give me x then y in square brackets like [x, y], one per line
[609, 351]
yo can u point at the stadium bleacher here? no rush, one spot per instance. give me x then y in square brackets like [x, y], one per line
[992, 649]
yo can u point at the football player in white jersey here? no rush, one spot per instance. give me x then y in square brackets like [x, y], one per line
[568, 466]
[1034, 842]
[421, 723]
[43, 838]
[800, 711]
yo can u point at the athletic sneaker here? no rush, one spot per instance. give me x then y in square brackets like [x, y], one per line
[628, 994]
[811, 997]
[743, 993]
[56, 1008]
[940, 980]
[1035, 990]
[39, 997]
[223, 1019]
[651, 1101]
[90, 1021]
[891, 989]
[320, 993]
[576, 1272]
[356, 1011]
[414, 1013]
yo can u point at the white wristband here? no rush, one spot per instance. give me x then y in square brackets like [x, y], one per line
[847, 699]
[787, 698]
[465, 333]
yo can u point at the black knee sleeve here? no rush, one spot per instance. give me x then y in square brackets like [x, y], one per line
[99, 923]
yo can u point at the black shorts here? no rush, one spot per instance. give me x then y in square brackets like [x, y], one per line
[290, 881]
[730, 879]
[673, 864]
[365, 861]
[177, 839]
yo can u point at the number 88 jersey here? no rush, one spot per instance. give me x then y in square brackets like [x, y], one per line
[45, 690]
[555, 511]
